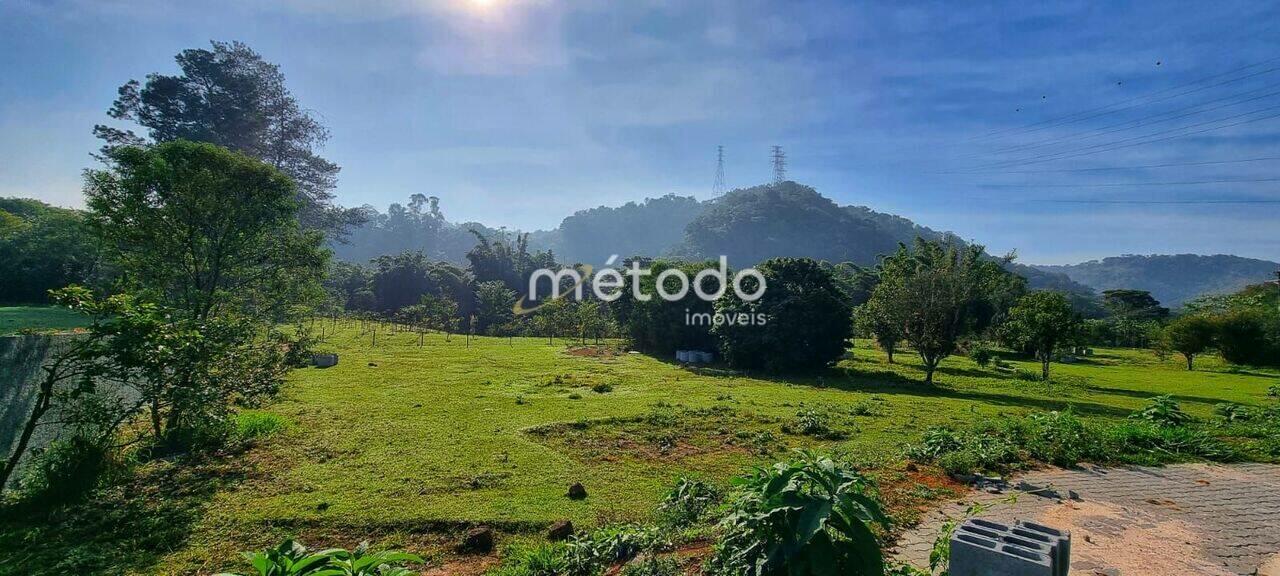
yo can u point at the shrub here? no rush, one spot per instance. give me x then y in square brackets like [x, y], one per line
[981, 355]
[590, 552]
[64, 472]
[1162, 411]
[814, 423]
[254, 424]
[936, 442]
[1058, 438]
[688, 501]
[809, 516]
[602, 388]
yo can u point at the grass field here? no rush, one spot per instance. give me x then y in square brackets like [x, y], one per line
[399, 443]
[14, 319]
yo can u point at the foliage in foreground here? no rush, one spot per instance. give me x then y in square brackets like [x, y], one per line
[1160, 432]
[291, 558]
[808, 516]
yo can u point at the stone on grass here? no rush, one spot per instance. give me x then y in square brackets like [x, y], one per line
[478, 540]
[560, 530]
[577, 491]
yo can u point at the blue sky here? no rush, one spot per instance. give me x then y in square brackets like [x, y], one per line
[518, 112]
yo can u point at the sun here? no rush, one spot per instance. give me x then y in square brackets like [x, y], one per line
[482, 4]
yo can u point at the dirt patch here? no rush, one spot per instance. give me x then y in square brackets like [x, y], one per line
[463, 566]
[1106, 536]
[665, 433]
[596, 351]
[1271, 567]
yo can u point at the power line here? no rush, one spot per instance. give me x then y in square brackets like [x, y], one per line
[1109, 146]
[1105, 129]
[1125, 185]
[1115, 168]
[1056, 121]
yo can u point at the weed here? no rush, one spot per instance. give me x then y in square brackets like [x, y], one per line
[602, 387]
[688, 502]
[1162, 411]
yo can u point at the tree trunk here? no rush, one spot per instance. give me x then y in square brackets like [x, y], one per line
[1190, 361]
[43, 401]
[1044, 368]
[889, 350]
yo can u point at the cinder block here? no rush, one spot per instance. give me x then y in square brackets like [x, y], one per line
[974, 555]
[324, 360]
[1061, 543]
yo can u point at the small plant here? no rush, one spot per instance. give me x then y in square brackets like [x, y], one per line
[688, 501]
[254, 424]
[814, 423]
[1232, 412]
[1057, 437]
[519, 400]
[1162, 411]
[291, 558]
[575, 396]
[602, 387]
[936, 442]
[1273, 391]
[542, 559]
[652, 565]
[588, 553]
[808, 516]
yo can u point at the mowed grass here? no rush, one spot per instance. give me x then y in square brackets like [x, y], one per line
[399, 439]
[15, 319]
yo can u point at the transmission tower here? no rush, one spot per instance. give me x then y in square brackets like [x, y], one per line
[779, 165]
[717, 189]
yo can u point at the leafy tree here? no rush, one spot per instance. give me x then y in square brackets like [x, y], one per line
[1135, 305]
[807, 320]
[441, 313]
[508, 262]
[229, 96]
[658, 326]
[554, 317]
[211, 237]
[42, 247]
[1042, 322]
[592, 320]
[872, 318]
[940, 291]
[493, 305]
[1190, 335]
[1242, 338]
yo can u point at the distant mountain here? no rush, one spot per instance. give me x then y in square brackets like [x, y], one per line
[649, 228]
[1172, 279]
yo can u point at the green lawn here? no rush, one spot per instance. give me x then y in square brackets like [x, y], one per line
[397, 442]
[14, 319]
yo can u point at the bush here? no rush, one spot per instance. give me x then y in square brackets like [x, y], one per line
[688, 502]
[254, 424]
[809, 516]
[64, 472]
[590, 552]
[1231, 412]
[967, 452]
[981, 355]
[1059, 438]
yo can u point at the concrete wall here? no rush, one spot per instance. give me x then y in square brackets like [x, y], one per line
[20, 360]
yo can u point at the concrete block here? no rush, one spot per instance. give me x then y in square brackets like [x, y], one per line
[1060, 542]
[324, 360]
[974, 555]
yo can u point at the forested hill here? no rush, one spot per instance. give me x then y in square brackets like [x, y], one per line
[1172, 279]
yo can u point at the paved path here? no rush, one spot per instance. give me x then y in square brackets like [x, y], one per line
[1181, 519]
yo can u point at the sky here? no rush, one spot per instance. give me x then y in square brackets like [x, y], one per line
[1064, 131]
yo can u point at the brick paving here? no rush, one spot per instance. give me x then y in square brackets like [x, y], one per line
[1185, 519]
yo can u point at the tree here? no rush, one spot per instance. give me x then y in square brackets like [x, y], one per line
[493, 305]
[1190, 335]
[229, 96]
[1042, 322]
[42, 248]
[592, 320]
[938, 292]
[1242, 338]
[441, 313]
[211, 238]
[801, 322]
[1133, 304]
[872, 318]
